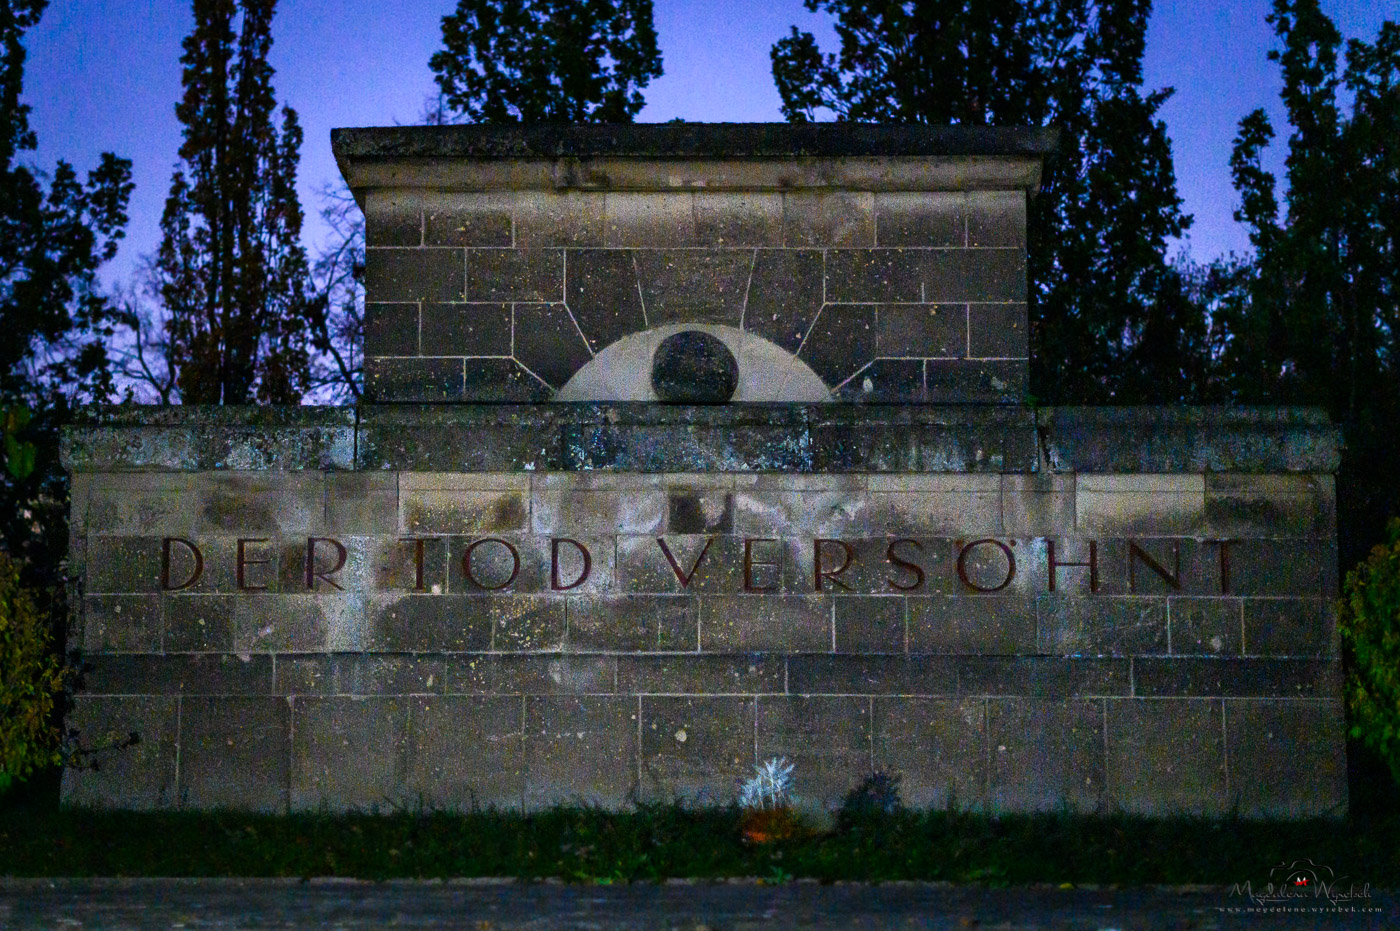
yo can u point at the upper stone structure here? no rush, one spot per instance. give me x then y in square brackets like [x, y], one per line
[835, 262]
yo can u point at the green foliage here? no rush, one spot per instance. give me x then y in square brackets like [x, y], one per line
[31, 679]
[658, 842]
[576, 61]
[1315, 318]
[1111, 320]
[231, 272]
[1370, 628]
[56, 230]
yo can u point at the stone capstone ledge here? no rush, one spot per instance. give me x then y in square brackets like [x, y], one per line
[628, 437]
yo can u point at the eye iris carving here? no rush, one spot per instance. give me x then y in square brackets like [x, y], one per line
[692, 367]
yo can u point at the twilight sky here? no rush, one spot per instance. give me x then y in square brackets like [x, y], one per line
[105, 75]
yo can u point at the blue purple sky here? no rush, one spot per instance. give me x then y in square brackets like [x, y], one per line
[105, 75]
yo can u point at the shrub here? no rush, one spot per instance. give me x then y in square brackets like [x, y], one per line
[31, 679]
[1370, 629]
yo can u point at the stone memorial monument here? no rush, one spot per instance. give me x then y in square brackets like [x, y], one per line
[689, 446]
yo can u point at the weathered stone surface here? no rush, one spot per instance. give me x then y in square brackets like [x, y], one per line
[393, 218]
[198, 623]
[530, 674]
[695, 750]
[743, 623]
[908, 218]
[481, 329]
[691, 367]
[1299, 744]
[834, 219]
[358, 674]
[996, 218]
[870, 624]
[872, 675]
[1046, 755]
[826, 738]
[1166, 756]
[581, 751]
[466, 752]
[558, 218]
[514, 275]
[1236, 677]
[937, 745]
[1043, 677]
[727, 674]
[186, 673]
[548, 342]
[632, 623]
[467, 219]
[415, 275]
[348, 752]
[391, 329]
[430, 623]
[234, 753]
[1289, 627]
[133, 742]
[1205, 626]
[1101, 626]
[123, 624]
[981, 624]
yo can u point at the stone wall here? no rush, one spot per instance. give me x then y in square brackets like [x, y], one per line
[716, 625]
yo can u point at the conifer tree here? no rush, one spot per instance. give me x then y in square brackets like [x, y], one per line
[231, 272]
[1315, 317]
[576, 61]
[55, 233]
[1111, 320]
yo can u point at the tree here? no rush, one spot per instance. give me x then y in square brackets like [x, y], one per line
[507, 61]
[1315, 319]
[1110, 317]
[231, 273]
[53, 240]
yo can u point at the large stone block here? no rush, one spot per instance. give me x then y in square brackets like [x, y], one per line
[693, 286]
[173, 674]
[358, 674]
[581, 751]
[726, 674]
[750, 218]
[917, 218]
[874, 624]
[1140, 505]
[549, 343]
[1046, 755]
[829, 219]
[636, 220]
[558, 218]
[696, 750]
[199, 623]
[427, 380]
[1205, 626]
[632, 623]
[486, 504]
[1043, 677]
[1166, 756]
[1290, 627]
[234, 753]
[996, 218]
[461, 329]
[348, 753]
[937, 746]
[969, 624]
[872, 675]
[361, 502]
[604, 295]
[414, 275]
[123, 624]
[1302, 505]
[1102, 625]
[826, 738]
[1299, 745]
[514, 275]
[523, 674]
[1236, 677]
[745, 623]
[430, 623]
[391, 329]
[784, 295]
[466, 752]
[924, 330]
[132, 742]
[997, 331]
[460, 218]
[393, 218]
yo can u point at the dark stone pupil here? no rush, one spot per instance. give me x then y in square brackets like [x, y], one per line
[694, 368]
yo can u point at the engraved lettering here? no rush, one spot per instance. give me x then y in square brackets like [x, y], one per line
[554, 581]
[418, 585]
[243, 562]
[1092, 564]
[1224, 563]
[907, 566]
[467, 563]
[1010, 565]
[749, 564]
[198, 570]
[324, 575]
[818, 573]
[684, 577]
[1137, 554]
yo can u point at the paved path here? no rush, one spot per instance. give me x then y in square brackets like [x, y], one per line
[509, 906]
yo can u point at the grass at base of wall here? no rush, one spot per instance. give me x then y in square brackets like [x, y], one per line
[657, 843]
[37, 838]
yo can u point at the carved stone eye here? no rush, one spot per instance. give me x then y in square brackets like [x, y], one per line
[691, 367]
